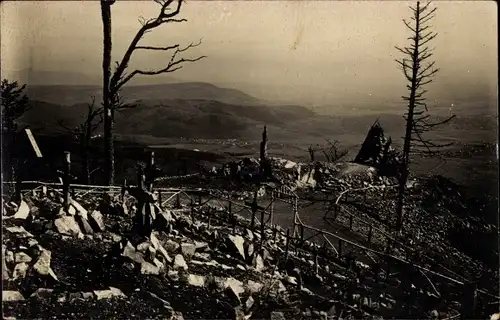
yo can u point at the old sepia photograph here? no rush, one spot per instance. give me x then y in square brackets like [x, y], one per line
[293, 159]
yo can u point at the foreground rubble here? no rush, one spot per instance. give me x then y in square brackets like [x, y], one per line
[88, 261]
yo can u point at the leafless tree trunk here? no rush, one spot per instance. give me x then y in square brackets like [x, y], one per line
[84, 133]
[418, 72]
[112, 84]
[106, 97]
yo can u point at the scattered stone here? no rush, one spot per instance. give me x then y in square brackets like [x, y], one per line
[177, 315]
[258, 263]
[79, 209]
[249, 303]
[129, 252]
[12, 296]
[241, 267]
[108, 294]
[277, 315]
[200, 245]
[171, 246]
[250, 250]
[254, 287]
[67, 225]
[154, 240]
[196, 280]
[87, 295]
[164, 253]
[97, 221]
[42, 265]
[117, 292]
[22, 257]
[20, 232]
[237, 243]
[75, 296]
[9, 257]
[84, 224]
[20, 271]
[143, 247]
[188, 249]
[179, 262]
[173, 275]
[148, 268]
[23, 211]
[42, 294]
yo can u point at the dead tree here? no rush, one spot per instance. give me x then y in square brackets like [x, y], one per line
[14, 104]
[332, 152]
[84, 133]
[418, 72]
[113, 83]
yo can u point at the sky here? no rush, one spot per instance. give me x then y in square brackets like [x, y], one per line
[315, 52]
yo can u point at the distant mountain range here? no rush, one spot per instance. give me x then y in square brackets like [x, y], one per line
[204, 110]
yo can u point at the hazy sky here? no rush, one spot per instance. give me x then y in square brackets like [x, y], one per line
[318, 52]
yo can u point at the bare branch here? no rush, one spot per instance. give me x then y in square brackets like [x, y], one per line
[158, 48]
[172, 66]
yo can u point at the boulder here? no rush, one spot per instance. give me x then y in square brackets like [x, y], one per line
[67, 225]
[188, 249]
[108, 294]
[23, 211]
[42, 294]
[130, 253]
[148, 268]
[20, 271]
[81, 211]
[171, 246]
[11, 296]
[254, 287]
[236, 244]
[249, 303]
[84, 224]
[258, 263]
[97, 221]
[19, 232]
[164, 254]
[42, 265]
[196, 280]
[179, 262]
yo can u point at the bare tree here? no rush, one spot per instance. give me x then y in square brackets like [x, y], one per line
[418, 71]
[14, 104]
[83, 133]
[115, 82]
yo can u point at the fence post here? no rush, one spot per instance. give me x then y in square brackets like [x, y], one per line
[287, 243]
[271, 218]
[262, 225]
[350, 222]
[18, 186]
[209, 217]
[160, 199]
[275, 231]
[340, 248]
[370, 234]
[178, 200]
[124, 189]
[66, 182]
[149, 170]
[316, 263]
[302, 234]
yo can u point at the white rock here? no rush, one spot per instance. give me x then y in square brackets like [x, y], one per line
[20, 271]
[22, 257]
[179, 262]
[196, 280]
[42, 265]
[23, 211]
[12, 296]
[98, 220]
[67, 225]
